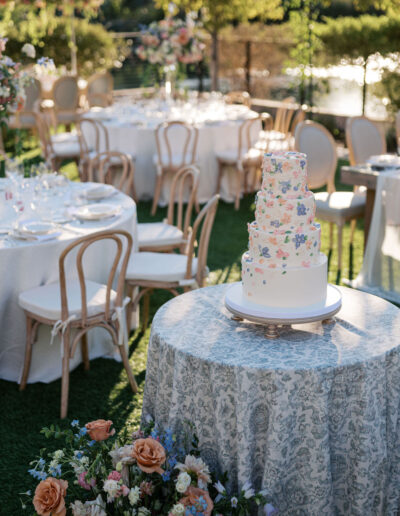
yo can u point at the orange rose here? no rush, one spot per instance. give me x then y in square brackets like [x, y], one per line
[99, 430]
[192, 499]
[149, 455]
[49, 497]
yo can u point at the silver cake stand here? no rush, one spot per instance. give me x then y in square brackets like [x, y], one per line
[241, 308]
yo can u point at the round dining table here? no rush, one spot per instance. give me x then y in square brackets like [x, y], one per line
[25, 264]
[313, 416]
[131, 129]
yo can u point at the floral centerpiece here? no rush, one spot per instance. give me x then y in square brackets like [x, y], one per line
[144, 474]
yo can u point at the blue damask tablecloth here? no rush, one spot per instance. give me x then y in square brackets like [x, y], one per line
[313, 416]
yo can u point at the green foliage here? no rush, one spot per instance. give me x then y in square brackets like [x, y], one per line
[389, 88]
[97, 50]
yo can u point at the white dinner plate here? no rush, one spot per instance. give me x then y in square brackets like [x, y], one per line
[384, 160]
[36, 227]
[99, 192]
[96, 211]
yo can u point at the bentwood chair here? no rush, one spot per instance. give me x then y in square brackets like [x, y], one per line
[246, 157]
[99, 90]
[238, 97]
[364, 139]
[173, 233]
[279, 135]
[113, 168]
[65, 95]
[58, 147]
[25, 119]
[335, 207]
[176, 147]
[93, 139]
[168, 271]
[80, 304]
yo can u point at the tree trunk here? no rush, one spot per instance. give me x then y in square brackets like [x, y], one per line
[74, 60]
[214, 61]
[364, 87]
[247, 66]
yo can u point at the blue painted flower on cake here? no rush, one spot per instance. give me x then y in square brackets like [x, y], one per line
[264, 252]
[275, 223]
[299, 239]
[301, 209]
[285, 186]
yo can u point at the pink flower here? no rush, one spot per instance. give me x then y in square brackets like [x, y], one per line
[82, 481]
[259, 271]
[281, 254]
[289, 206]
[146, 488]
[125, 490]
[305, 264]
[114, 475]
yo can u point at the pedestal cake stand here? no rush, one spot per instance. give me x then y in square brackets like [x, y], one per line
[271, 317]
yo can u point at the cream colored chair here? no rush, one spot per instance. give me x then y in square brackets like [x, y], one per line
[99, 90]
[176, 147]
[246, 158]
[279, 135]
[25, 119]
[169, 235]
[56, 148]
[93, 139]
[238, 97]
[335, 207]
[65, 95]
[81, 305]
[364, 139]
[113, 168]
[168, 271]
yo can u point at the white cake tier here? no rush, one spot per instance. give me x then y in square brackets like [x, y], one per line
[284, 288]
[274, 212]
[280, 248]
[284, 173]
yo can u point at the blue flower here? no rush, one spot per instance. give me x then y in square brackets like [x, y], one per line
[172, 461]
[298, 240]
[55, 472]
[285, 186]
[41, 462]
[301, 209]
[302, 163]
[275, 223]
[264, 252]
[45, 61]
[75, 422]
[82, 431]
[166, 476]
[91, 443]
[79, 455]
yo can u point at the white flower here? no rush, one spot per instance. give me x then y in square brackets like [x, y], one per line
[134, 495]
[54, 463]
[177, 510]
[93, 508]
[195, 465]
[29, 50]
[219, 487]
[234, 501]
[183, 482]
[142, 511]
[111, 487]
[123, 455]
[58, 454]
[248, 491]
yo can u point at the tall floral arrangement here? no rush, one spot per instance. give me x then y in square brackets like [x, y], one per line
[148, 473]
[171, 41]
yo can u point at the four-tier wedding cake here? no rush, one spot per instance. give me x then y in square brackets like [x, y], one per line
[284, 267]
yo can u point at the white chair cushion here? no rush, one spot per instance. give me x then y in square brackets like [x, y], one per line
[155, 234]
[177, 160]
[68, 149]
[339, 206]
[64, 137]
[114, 159]
[231, 155]
[45, 301]
[158, 267]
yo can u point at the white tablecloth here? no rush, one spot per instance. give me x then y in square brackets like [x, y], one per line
[25, 265]
[380, 273]
[133, 131]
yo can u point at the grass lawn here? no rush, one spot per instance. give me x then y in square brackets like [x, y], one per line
[104, 392]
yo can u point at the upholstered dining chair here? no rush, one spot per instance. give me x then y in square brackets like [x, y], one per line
[176, 147]
[25, 119]
[279, 135]
[80, 304]
[238, 97]
[65, 95]
[58, 147]
[169, 271]
[335, 207]
[99, 89]
[93, 139]
[113, 168]
[246, 157]
[173, 232]
[364, 139]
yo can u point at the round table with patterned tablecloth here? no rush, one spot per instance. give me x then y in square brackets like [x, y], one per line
[313, 416]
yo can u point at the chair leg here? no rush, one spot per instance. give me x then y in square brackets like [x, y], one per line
[65, 376]
[85, 352]
[129, 307]
[128, 369]
[28, 354]
[238, 189]
[146, 309]
[340, 248]
[219, 177]
[157, 192]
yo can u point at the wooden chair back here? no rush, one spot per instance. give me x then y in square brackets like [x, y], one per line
[104, 166]
[249, 132]
[177, 139]
[43, 130]
[299, 117]
[99, 89]
[121, 259]
[282, 114]
[33, 92]
[95, 131]
[186, 179]
[206, 218]
[65, 93]
[364, 139]
[238, 97]
[317, 142]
